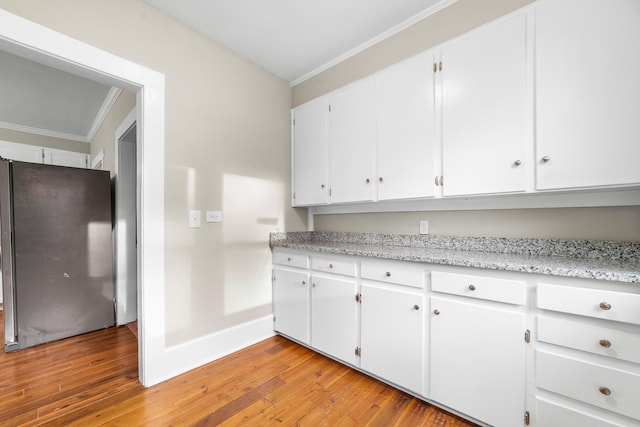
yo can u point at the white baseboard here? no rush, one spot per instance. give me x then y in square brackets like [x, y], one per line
[190, 355]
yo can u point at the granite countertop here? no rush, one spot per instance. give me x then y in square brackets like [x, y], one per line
[602, 260]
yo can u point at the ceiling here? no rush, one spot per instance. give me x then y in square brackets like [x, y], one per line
[295, 39]
[38, 99]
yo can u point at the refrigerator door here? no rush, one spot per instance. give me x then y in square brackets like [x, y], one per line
[62, 246]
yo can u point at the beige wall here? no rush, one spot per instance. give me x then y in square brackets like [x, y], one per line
[106, 135]
[227, 148]
[43, 141]
[609, 223]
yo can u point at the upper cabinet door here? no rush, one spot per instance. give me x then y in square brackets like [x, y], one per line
[484, 109]
[310, 153]
[352, 142]
[588, 93]
[406, 129]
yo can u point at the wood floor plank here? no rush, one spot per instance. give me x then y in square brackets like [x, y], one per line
[91, 380]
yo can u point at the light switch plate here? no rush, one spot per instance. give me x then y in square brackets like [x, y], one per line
[213, 216]
[194, 219]
[424, 226]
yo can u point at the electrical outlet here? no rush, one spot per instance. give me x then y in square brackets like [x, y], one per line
[424, 226]
[213, 216]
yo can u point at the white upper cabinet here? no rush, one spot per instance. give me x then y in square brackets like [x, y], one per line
[587, 93]
[310, 186]
[66, 158]
[352, 139]
[406, 129]
[484, 109]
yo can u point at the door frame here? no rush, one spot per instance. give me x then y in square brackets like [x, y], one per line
[121, 249]
[30, 40]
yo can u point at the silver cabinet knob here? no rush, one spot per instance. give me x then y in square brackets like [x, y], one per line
[472, 287]
[545, 159]
[322, 186]
[517, 163]
[605, 343]
[367, 180]
[436, 312]
[304, 283]
[605, 390]
[388, 274]
[380, 179]
[416, 307]
[313, 285]
[605, 306]
[330, 265]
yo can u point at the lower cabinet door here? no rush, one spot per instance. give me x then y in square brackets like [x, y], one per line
[478, 360]
[291, 303]
[333, 317]
[391, 334]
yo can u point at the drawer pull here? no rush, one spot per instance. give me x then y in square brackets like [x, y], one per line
[289, 259]
[605, 343]
[472, 287]
[605, 306]
[605, 390]
[388, 274]
[304, 283]
[330, 265]
[436, 312]
[416, 307]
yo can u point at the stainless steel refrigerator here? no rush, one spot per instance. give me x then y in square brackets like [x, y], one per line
[56, 248]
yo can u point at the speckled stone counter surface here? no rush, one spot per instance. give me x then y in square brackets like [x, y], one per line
[603, 260]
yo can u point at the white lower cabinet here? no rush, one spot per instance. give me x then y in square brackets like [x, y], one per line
[334, 316]
[478, 360]
[391, 335]
[587, 359]
[497, 347]
[291, 302]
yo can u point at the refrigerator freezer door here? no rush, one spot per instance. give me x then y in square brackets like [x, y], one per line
[62, 244]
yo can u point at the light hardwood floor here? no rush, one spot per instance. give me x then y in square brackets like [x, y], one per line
[92, 380]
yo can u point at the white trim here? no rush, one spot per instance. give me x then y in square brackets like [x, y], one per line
[98, 159]
[108, 102]
[47, 46]
[120, 248]
[560, 199]
[383, 36]
[45, 132]
[206, 349]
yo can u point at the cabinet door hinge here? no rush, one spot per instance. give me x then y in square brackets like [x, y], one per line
[527, 336]
[294, 122]
[440, 66]
[359, 298]
[329, 107]
[435, 67]
[358, 351]
[527, 418]
[294, 196]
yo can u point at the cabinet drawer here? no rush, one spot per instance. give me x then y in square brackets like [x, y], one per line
[334, 265]
[393, 272]
[291, 259]
[554, 414]
[610, 305]
[487, 288]
[593, 339]
[616, 390]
